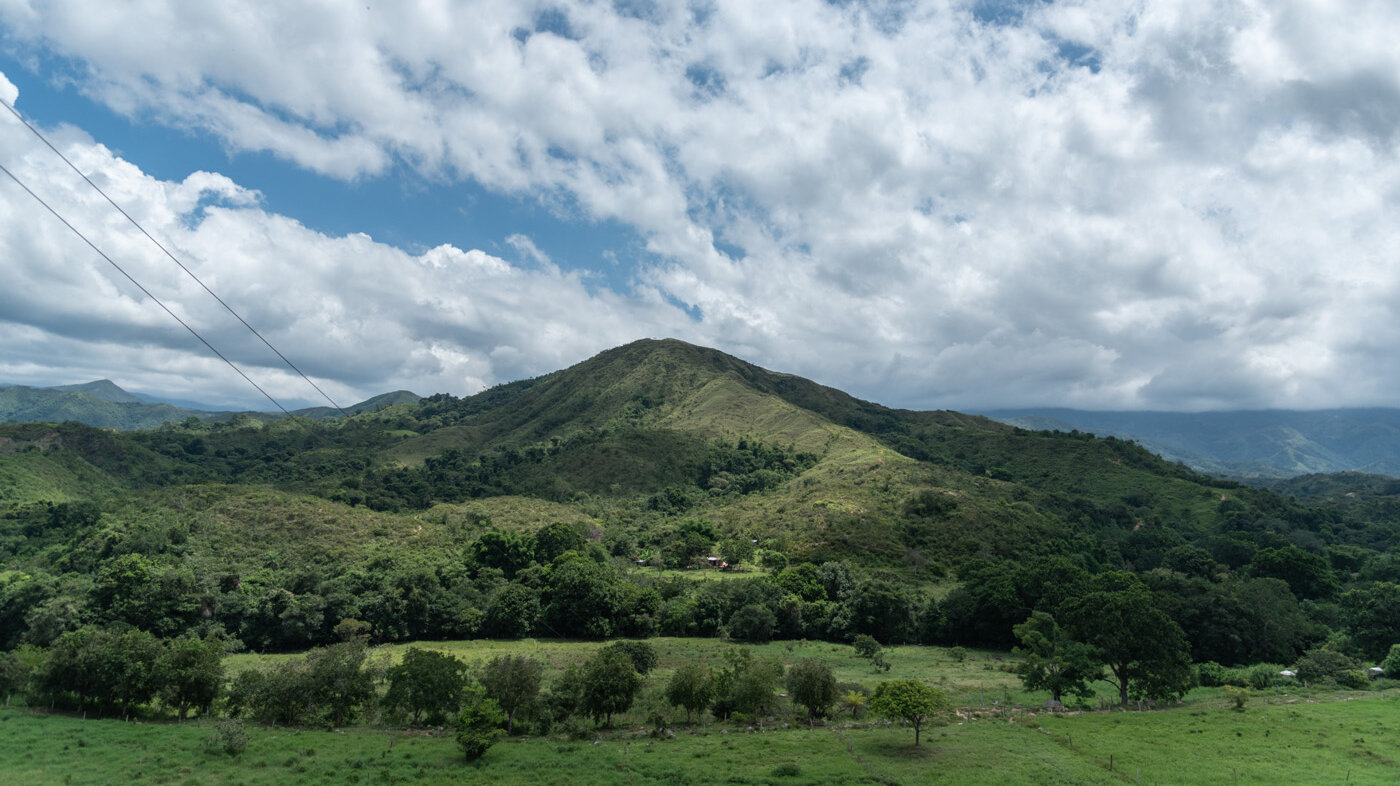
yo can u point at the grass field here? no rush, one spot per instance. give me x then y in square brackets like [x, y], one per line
[1281, 737]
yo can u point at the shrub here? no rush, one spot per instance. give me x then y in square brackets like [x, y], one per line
[786, 771]
[958, 654]
[1391, 664]
[229, 737]
[1238, 695]
[1211, 674]
[1327, 667]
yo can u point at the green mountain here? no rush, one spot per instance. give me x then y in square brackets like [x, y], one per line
[412, 514]
[1245, 444]
[105, 405]
[104, 389]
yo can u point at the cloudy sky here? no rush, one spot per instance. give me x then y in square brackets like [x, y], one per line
[1104, 204]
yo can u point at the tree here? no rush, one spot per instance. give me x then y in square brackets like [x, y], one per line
[1309, 575]
[191, 673]
[427, 685]
[882, 609]
[514, 682]
[584, 597]
[1145, 651]
[478, 724]
[557, 538]
[642, 654]
[736, 549]
[1372, 614]
[610, 684]
[753, 622]
[812, 684]
[1053, 661]
[512, 613]
[337, 681]
[908, 700]
[747, 684]
[508, 551]
[692, 686]
[1391, 664]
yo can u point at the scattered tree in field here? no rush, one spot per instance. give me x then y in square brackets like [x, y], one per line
[514, 682]
[338, 682]
[427, 685]
[908, 700]
[1145, 651]
[642, 654]
[478, 724]
[610, 684]
[812, 684]
[1053, 661]
[692, 686]
[867, 647]
[747, 684]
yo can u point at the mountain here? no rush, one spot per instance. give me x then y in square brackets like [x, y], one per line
[413, 514]
[1244, 444]
[105, 405]
[368, 405]
[104, 389]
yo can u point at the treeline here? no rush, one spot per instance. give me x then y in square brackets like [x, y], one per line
[1271, 605]
[126, 672]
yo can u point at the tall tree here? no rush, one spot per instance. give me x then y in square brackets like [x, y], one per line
[812, 684]
[610, 684]
[426, 684]
[1145, 652]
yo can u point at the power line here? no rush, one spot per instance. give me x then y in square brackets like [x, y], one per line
[167, 252]
[129, 277]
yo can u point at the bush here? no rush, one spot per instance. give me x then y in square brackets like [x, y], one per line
[786, 771]
[1238, 695]
[479, 724]
[1211, 674]
[1327, 667]
[1391, 664]
[958, 654]
[1259, 676]
[229, 737]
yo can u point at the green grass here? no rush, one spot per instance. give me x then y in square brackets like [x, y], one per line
[1327, 742]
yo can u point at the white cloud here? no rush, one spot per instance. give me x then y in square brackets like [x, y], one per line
[1103, 204]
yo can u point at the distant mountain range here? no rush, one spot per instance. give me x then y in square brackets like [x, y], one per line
[1243, 444]
[104, 404]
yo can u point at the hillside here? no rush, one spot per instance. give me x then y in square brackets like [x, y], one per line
[105, 405]
[1247, 444]
[414, 515]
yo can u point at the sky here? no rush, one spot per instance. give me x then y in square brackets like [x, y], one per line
[1103, 204]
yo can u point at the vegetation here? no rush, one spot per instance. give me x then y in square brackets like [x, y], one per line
[655, 500]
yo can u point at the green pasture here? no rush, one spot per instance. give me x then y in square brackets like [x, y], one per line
[1342, 741]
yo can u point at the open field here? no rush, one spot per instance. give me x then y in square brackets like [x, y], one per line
[1324, 742]
[1284, 736]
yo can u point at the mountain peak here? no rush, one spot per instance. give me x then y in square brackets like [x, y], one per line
[104, 389]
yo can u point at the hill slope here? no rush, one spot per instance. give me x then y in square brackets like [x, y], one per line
[1261, 444]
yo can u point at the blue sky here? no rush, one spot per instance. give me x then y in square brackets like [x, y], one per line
[966, 205]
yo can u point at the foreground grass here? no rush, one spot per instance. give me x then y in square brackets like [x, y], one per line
[1282, 737]
[1352, 741]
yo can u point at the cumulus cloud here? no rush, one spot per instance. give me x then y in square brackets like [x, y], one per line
[1085, 202]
